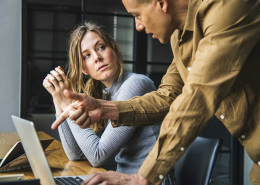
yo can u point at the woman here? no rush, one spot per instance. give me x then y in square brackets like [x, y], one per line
[93, 53]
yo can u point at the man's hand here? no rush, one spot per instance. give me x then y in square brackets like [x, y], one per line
[85, 111]
[115, 178]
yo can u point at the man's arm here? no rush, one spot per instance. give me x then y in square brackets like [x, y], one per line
[152, 107]
[86, 110]
[97, 150]
[226, 33]
[139, 111]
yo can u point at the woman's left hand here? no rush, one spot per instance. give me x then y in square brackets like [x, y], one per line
[55, 83]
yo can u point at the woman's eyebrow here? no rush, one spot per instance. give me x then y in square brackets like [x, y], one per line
[94, 46]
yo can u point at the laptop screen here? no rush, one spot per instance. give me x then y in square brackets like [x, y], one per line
[33, 150]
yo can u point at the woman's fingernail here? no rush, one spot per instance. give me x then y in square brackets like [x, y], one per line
[60, 68]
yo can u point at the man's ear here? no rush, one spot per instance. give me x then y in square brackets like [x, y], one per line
[163, 5]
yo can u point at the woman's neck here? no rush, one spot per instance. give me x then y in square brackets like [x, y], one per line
[108, 82]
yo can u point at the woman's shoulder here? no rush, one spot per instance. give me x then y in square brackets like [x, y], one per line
[132, 84]
[134, 78]
[137, 81]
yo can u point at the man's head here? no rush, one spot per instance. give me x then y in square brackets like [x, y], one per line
[159, 17]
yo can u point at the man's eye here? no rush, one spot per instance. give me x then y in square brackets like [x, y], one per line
[137, 17]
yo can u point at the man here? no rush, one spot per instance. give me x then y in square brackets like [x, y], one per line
[216, 51]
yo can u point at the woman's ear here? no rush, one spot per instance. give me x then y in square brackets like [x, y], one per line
[84, 72]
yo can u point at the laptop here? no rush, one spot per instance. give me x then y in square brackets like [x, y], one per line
[36, 157]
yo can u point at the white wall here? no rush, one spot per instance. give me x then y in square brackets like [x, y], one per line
[248, 163]
[10, 62]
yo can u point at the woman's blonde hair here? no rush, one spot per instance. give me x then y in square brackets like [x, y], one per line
[79, 82]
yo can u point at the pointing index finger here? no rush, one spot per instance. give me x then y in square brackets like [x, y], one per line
[74, 96]
[60, 119]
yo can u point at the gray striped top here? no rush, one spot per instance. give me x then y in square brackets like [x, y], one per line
[129, 144]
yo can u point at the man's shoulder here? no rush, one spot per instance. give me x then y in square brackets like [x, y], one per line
[223, 7]
[223, 15]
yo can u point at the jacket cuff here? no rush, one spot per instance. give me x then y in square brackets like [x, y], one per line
[126, 114]
[154, 171]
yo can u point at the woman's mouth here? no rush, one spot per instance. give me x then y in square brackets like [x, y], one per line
[102, 67]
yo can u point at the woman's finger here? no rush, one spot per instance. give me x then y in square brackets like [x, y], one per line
[56, 75]
[48, 86]
[53, 81]
[61, 72]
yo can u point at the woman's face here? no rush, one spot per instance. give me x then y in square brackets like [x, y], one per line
[98, 59]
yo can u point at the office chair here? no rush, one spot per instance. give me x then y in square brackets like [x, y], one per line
[196, 165]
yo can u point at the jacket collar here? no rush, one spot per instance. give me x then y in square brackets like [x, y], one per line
[191, 13]
[192, 10]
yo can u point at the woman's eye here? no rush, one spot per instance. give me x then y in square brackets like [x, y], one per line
[102, 47]
[86, 56]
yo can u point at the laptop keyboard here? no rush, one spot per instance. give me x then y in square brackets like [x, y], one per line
[68, 180]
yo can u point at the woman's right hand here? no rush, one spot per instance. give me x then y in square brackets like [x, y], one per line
[55, 83]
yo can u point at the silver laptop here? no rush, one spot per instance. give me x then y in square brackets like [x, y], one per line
[36, 157]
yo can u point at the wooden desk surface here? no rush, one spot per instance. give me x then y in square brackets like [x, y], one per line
[57, 159]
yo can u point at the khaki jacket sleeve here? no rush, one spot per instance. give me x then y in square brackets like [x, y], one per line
[152, 107]
[225, 33]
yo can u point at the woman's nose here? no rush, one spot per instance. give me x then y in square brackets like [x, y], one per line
[98, 58]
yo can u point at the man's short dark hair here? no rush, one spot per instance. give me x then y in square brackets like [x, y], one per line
[143, 1]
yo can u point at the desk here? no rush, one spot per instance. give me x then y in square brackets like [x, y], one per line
[57, 158]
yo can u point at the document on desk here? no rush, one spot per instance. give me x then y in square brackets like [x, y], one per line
[16, 158]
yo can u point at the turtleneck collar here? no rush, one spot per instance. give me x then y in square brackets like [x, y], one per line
[110, 91]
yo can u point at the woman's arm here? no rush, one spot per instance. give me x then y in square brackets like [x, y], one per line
[55, 83]
[138, 111]
[69, 143]
[98, 150]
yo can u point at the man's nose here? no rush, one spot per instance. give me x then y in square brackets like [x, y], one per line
[138, 25]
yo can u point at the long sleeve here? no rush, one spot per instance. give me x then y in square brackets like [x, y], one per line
[226, 33]
[152, 107]
[69, 143]
[99, 149]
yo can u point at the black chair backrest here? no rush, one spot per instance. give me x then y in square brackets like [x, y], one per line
[196, 165]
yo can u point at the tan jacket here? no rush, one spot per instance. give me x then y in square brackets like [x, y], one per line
[215, 70]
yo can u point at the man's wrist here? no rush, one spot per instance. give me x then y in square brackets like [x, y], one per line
[139, 178]
[108, 110]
